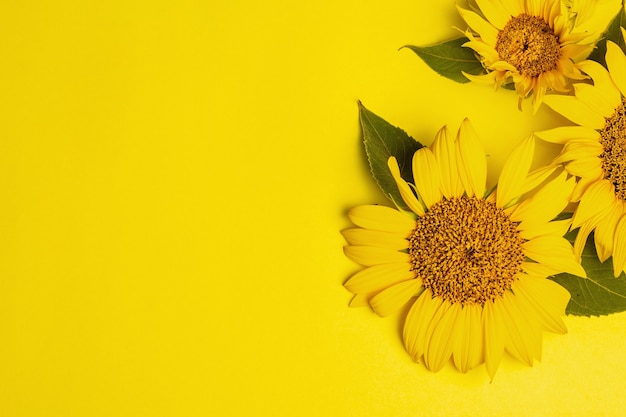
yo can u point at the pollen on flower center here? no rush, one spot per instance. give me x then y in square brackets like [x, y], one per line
[466, 250]
[613, 139]
[529, 44]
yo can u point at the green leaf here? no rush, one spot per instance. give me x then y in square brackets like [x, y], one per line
[449, 59]
[614, 34]
[383, 140]
[600, 293]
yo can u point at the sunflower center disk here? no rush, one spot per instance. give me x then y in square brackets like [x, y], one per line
[613, 139]
[466, 250]
[529, 44]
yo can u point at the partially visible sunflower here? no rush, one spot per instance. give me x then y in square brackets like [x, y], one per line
[595, 151]
[472, 263]
[530, 43]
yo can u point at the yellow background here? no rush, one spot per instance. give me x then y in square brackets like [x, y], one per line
[173, 179]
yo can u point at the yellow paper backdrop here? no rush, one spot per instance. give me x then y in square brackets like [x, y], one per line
[173, 179]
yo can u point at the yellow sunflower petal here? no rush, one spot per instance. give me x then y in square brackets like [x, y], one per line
[503, 66]
[583, 185]
[381, 218]
[495, 338]
[573, 50]
[514, 171]
[555, 252]
[559, 25]
[605, 231]
[575, 110]
[567, 68]
[534, 7]
[443, 338]
[545, 299]
[616, 62]
[536, 177]
[460, 351]
[415, 332]
[405, 191]
[514, 7]
[558, 228]
[539, 91]
[486, 30]
[367, 237]
[598, 197]
[468, 352]
[393, 298]
[370, 255]
[485, 79]
[536, 269]
[494, 12]
[619, 247]
[444, 150]
[594, 15]
[551, 10]
[602, 81]
[472, 163]
[426, 176]
[566, 37]
[594, 98]
[585, 166]
[563, 134]
[579, 148]
[524, 336]
[487, 52]
[555, 81]
[583, 233]
[378, 277]
[542, 207]
[360, 300]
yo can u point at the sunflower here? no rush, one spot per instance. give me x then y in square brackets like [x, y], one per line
[530, 43]
[472, 263]
[595, 152]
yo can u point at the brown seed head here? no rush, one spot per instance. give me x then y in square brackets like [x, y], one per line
[466, 250]
[529, 44]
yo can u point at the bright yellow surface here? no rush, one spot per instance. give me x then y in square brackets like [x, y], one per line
[173, 180]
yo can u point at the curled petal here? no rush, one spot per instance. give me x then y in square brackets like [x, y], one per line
[405, 191]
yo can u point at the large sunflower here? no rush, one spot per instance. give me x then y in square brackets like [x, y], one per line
[595, 151]
[530, 43]
[473, 263]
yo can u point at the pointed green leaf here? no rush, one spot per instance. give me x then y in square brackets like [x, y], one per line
[449, 59]
[613, 33]
[600, 293]
[381, 141]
